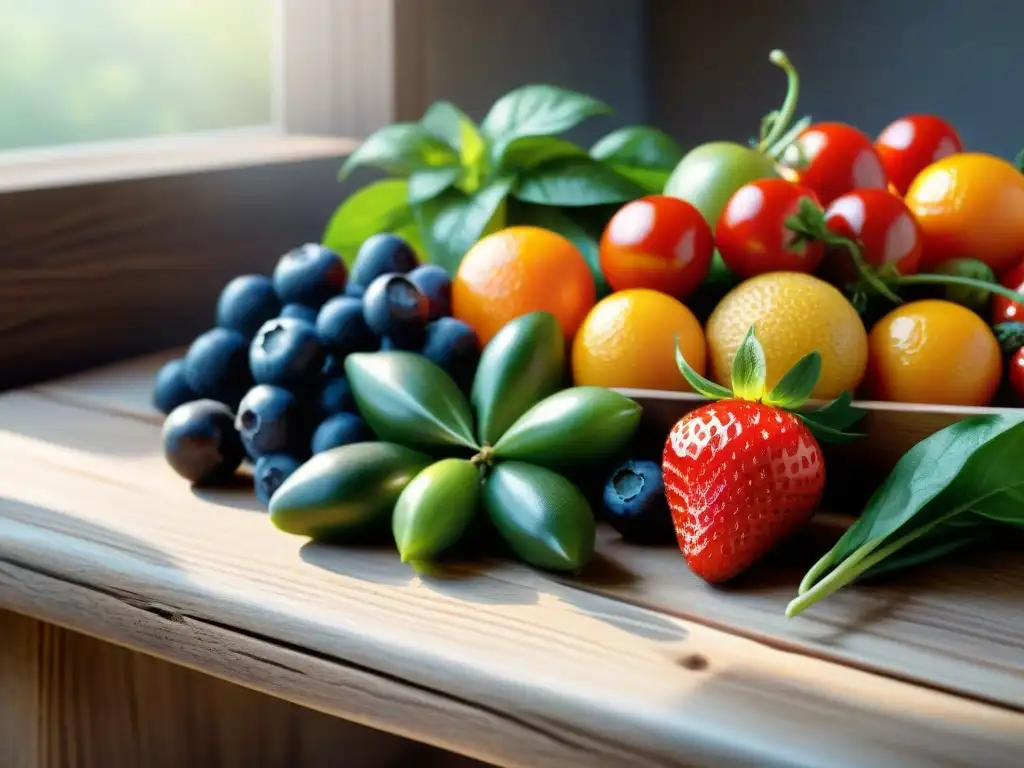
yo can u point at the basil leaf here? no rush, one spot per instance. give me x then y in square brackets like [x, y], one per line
[749, 369]
[652, 181]
[575, 181]
[638, 147]
[453, 221]
[399, 149]
[530, 151]
[378, 207]
[796, 386]
[458, 131]
[557, 221]
[538, 110]
[838, 414]
[430, 182]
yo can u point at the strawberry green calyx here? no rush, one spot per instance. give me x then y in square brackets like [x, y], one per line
[792, 392]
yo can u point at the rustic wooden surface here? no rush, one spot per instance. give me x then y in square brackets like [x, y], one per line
[637, 663]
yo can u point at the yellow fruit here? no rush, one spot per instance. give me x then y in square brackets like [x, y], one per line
[793, 314]
[627, 340]
[933, 351]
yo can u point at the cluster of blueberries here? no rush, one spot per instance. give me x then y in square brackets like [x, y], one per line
[268, 381]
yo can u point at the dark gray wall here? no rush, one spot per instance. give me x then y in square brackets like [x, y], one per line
[865, 62]
[479, 49]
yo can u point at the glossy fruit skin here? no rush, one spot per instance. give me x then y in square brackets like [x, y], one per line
[436, 508]
[970, 205]
[794, 314]
[246, 303]
[840, 158]
[910, 144]
[933, 351]
[739, 478]
[393, 307]
[752, 235]
[452, 345]
[309, 275]
[381, 254]
[657, 242]
[217, 366]
[635, 504]
[627, 341]
[338, 430]
[1016, 366]
[511, 272]
[170, 388]
[299, 312]
[346, 493]
[1004, 310]
[270, 473]
[343, 329]
[335, 397]
[882, 225]
[269, 421]
[286, 353]
[200, 442]
[435, 283]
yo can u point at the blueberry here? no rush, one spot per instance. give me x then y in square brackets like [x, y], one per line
[217, 366]
[635, 505]
[453, 345]
[310, 275]
[299, 312]
[170, 389]
[246, 303]
[287, 353]
[200, 442]
[338, 430]
[434, 283]
[396, 309]
[355, 291]
[343, 328]
[336, 397]
[268, 420]
[270, 472]
[380, 255]
[332, 367]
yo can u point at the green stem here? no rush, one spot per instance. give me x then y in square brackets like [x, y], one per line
[775, 150]
[970, 282]
[860, 561]
[867, 274]
[815, 572]
[785, 115]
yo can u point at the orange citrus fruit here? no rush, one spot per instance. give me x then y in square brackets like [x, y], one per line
[793, 314]
[518, 270]
[628, 340]
[933, 351]
[970, 205]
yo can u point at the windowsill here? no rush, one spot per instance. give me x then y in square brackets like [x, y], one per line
[86, 165]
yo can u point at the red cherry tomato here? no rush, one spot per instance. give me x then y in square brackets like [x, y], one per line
[1017, 374]
[882, 225]
[838, 158]
[909, 145]
[1004, 310]
[657, 242]
[752, 236]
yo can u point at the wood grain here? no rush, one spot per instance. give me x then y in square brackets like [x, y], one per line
[71, 700]
[555, 673]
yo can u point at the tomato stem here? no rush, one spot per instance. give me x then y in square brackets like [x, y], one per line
[926, 278]
[784, 116]
[867, 274]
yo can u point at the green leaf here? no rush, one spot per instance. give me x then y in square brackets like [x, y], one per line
[639, 147]
[826, 434]
[795, 387]
[435, 509]
[971, 297]
[378, 207]
[971, 467]
[699, 384]
[406, 399]
[749, 369]
[530, 151]
[453, 221]
[1010, 336]
[939, 542]
[428, 183]
[537, 110]
[519, 367]
[455, 128]
[575, 181]
[652, 181]
[576, 426]
[557, 221]
[543, 517]
[399, 149]
[1019, 161]
[839, 414]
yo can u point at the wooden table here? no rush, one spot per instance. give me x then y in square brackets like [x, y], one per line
[636, 664]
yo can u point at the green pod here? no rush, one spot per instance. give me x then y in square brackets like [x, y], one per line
[576, 426]
[969, 296]
[407, 399]
[345, 492]
[544, 518]
[435, 509]
[521, 365]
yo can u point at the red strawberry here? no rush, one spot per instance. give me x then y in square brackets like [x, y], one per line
[743, 473]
